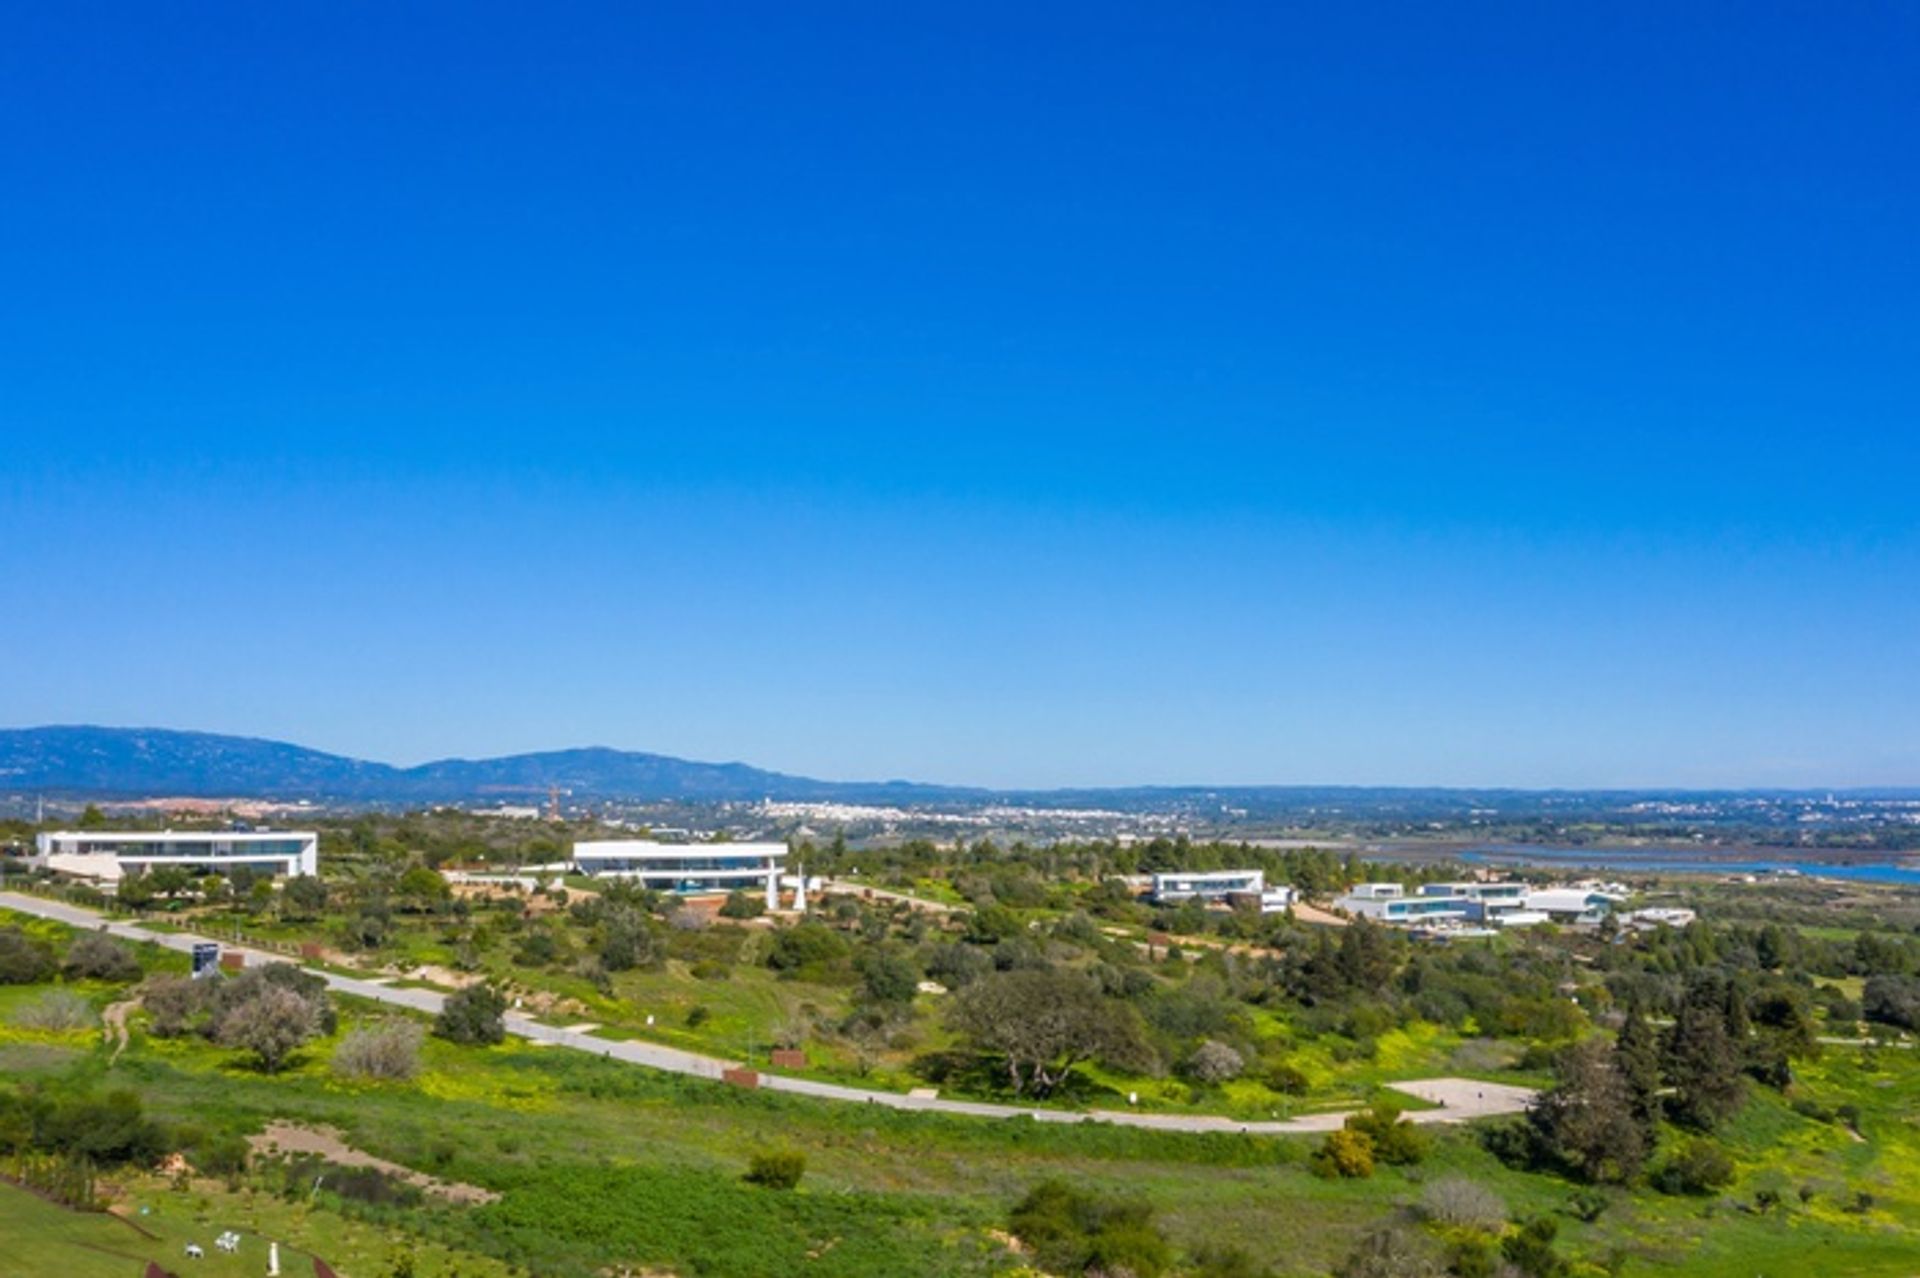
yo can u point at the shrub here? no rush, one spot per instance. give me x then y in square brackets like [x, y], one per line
[804, 944]
[888, 979]
[1216, 1261]
[1395, 1140]
[386, 1049]
[272, 1024]
[56, 1010]
[1071, 1231]
[98, 957]
[1530, 1249]
[173, 1003]
[1346, 1155]
[1588, 1205]
[109, 1129]
[23, 960]
[1287, 1080]
[776, 1168]
[1463, 1204]
[1390, 1252]
[742, 905]
[1698, 1167]
[1214, 1062]
[475, 1016]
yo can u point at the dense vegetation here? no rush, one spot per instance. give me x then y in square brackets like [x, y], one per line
[1732, 1068]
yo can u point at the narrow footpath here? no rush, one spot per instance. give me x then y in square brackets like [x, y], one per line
[1457, 1099]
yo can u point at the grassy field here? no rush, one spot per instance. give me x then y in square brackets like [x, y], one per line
[601, 1163]
[159, 1221]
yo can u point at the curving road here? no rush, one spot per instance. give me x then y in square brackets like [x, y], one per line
[1458, 1099]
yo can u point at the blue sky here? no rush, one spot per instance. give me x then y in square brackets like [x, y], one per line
[1017, 395]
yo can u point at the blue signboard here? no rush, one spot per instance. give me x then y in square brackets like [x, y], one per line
[206, 960]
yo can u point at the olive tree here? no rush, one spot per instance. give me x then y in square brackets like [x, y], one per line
[1044, 1021]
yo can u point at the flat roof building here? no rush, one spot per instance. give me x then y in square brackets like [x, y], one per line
[1579, 906]
[1225, 886]
[1389, 903]
[114, 854]
[688, 869]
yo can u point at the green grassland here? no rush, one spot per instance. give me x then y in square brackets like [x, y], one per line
[601, 1163]
[602, 1166]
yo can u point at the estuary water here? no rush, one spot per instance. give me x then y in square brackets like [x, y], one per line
[1690, 861]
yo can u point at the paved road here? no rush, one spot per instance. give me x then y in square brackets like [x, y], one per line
[1459, 1099]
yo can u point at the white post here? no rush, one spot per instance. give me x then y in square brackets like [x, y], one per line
[800, 891]
[773, 884]
[273, 1260]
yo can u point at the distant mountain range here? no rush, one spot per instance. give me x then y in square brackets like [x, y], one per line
[97, 762]
[162, 762]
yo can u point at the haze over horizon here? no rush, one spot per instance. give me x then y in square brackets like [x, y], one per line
[1100, 396]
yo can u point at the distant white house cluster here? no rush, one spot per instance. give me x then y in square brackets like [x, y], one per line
[111, 855]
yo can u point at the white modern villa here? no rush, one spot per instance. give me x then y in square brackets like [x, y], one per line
[1487, 904]
[1389, 903]
[690, 869]
[1220, 885]
[113, 854]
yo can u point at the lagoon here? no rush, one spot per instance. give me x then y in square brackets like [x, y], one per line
[1691, 861]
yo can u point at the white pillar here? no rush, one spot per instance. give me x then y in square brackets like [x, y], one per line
[800, 891]
[273, 1260]
[773, 884]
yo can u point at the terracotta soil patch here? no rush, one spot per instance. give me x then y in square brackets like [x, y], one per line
[328, 1143]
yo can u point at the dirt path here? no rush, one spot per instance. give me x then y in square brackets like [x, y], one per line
[293, 1138]
[676, 1060]
[1314, 914]
[113, 1026]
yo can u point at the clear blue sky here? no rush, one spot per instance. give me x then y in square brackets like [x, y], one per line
[1013, 394]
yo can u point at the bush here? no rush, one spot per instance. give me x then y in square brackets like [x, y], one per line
[804, 944]
[1287, 1080]
[1460, 1203]
[23, 960]
[98, 957]
[776, 1168]
[742, 905]
[272, 1024]
[1395, 1140]
[1214, 1261]
[173, 1003]
[1345, 1155]
[1530, 1249]
[56, 1010]
[1698, 1167]
[109, 1129]
[1391, 1252]
[1214, 1062]
[1072, 1232]
[385, 1050]
[475, 1016]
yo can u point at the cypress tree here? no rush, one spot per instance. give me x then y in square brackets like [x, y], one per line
[1637, 1055]
[1702, 1061]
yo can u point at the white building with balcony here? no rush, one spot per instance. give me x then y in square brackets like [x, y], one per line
[1389, 903]
[1225, 886]
[111, 855]
[686, 869]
